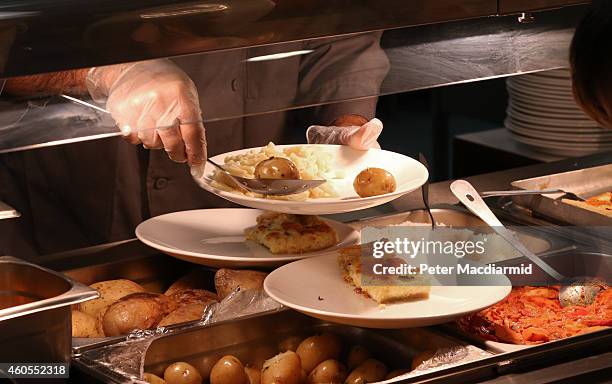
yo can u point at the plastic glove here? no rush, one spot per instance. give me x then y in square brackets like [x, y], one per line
[154, 103]
[355, 136]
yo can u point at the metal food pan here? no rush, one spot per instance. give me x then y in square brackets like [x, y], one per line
[155, 273]
[585, 182]
[571, 264]
[35, 312]
[457, 217]
[257, 339]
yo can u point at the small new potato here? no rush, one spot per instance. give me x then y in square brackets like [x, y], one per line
[357, 355]
[374, 182]
[283, 368]
[328, 372]
[182, 373]
[276, 168]
[153, 379]
[228, 370]
[254, 374]
[369, 371]
[316, 349]
[290, 343]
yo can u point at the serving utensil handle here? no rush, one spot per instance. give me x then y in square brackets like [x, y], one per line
[468, 195]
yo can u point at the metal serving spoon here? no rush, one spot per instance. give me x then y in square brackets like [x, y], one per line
[272, 187]
[575, 291]
[516, 192]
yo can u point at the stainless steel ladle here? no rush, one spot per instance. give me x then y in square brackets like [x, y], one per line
[574, 291]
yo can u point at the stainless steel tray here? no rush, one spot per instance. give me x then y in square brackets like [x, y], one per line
[35, 312]
[256, 338]
[587, 182]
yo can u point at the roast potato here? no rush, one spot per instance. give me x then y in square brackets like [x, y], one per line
[369, 371]
[276, 168]
[229, 280]
[193, 280]
[191, 296]
[183, 314]
[356, 356]
[374, 182]
[349, 120]
[110, 291]
[228, 370]
[316, 349]
[84, 325]
[153, 379]
[140, 310]
[328, 372]
[283, 368]
[182, 373]
[254, 374]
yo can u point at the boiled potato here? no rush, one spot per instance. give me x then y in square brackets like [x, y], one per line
[421, 357]
[396, 373]
[182, 373]
[356, 356]
[228, 370]
[257, 355]
[349, 120]
[283, 368]
[140, 310]
[328, 372]
[229, 280]
[374, 182]
[290, 343]
[276, 168]
[110, 291]
[204, 365]
[153, 379]
[193, 280]
[316, 349]
[254, 374]
[369, 371]
[84, 325]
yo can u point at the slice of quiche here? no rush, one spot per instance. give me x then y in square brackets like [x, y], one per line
[383, 289]
[284, 233]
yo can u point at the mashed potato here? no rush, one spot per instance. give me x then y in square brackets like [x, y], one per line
[312, 162]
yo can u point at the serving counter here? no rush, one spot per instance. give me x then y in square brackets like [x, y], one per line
[585, 357]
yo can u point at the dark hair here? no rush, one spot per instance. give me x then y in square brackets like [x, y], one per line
[591, 62]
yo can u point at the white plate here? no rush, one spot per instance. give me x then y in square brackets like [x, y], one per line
[409, 175]
[215, 237]
[560, 96]
[316, 287]
[567, 137]
[539, 127]
[551, 121]
[547, 111]
[541, 101]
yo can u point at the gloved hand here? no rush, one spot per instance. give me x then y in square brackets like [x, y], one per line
[154, 103]
[352, 130]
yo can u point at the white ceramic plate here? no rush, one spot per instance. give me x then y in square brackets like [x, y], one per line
[541, 101]
[547, 112]
[551, 121]
[215, 237]
[560, 96]
[540, 127]
[409, 175]
[566, 137]
[316, 287]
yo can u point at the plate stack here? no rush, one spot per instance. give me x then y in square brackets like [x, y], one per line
[542, 114]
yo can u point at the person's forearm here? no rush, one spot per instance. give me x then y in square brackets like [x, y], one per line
[70, 82]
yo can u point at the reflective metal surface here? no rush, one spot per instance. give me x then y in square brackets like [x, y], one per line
[330, 72]
[515, 6]
[41, 36]
[35, 312]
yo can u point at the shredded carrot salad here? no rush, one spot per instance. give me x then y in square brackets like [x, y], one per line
[533, 315]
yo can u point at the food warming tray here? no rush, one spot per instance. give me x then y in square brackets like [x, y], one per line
[35, 312]
[585, 182]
